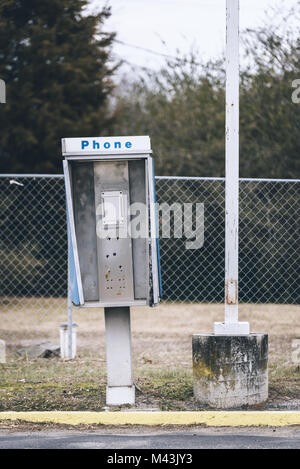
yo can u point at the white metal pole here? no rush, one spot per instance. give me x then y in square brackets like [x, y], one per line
[232, 324]
[232, 162]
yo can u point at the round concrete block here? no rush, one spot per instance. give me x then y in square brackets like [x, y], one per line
[230, 371]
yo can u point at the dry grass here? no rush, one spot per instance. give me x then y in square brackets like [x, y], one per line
[161, 349]
[161, 335]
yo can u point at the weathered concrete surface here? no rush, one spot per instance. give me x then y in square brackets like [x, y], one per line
[230, 371]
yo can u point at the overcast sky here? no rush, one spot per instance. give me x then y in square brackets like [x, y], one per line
[167, 25]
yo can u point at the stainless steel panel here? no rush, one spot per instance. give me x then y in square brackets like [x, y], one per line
[140, 250]
[85, 222]
[115, 271]
[154, 233]
[69, 199]
[101, 304]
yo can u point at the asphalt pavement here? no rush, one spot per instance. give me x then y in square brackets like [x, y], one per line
[282, 438]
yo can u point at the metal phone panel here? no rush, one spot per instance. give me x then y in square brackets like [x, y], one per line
[85, 225]
[153, 233]
[115, 270]
[71, 267]
[140, 251]
[157, 236]
[73, 239]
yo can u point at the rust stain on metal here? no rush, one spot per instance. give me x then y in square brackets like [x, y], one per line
[231, 292]
[107, 275]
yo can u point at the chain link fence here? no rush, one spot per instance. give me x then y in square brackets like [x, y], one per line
[33, 242]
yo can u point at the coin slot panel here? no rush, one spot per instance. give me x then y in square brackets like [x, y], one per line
[113, 208]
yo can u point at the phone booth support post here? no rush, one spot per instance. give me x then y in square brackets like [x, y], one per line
[120, 388]
[113, 245]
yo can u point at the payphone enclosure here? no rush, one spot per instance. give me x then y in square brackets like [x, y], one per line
[112, 222]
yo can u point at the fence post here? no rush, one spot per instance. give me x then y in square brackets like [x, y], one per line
[2, 92]
[70, 318]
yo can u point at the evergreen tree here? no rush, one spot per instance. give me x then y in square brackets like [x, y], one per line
[54, 59]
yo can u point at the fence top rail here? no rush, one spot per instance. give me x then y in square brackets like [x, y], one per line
[31, 176]
[194, 178]
[179, 178]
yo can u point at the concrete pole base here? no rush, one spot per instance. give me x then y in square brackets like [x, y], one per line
[119, 395]
[230, 371]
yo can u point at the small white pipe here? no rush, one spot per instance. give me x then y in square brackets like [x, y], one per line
[2, 351]
[65, 341]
